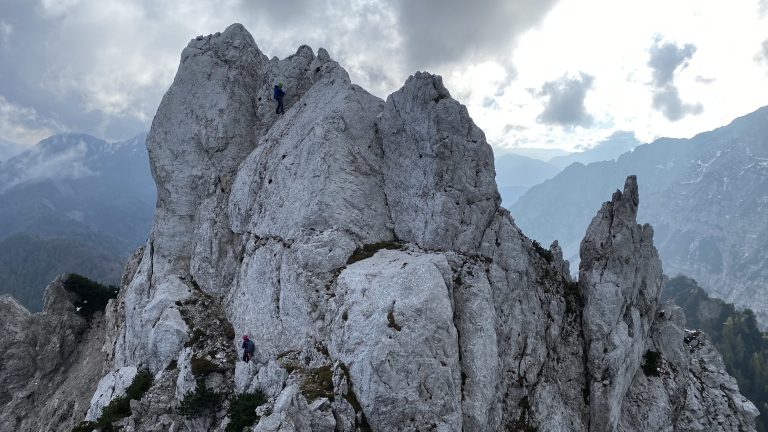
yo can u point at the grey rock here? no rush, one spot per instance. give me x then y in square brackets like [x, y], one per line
[51, 362]
[440, 204]
[708, 396]
[394, 332]
[392, 282]
[290, 414]
[620, 280]
[112, 385]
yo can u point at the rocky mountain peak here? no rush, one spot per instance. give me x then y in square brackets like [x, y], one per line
[360, 244]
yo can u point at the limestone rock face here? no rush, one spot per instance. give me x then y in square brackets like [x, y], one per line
[50, 362]
[620, 279]
[710, 395]
[394, 332]
[361, 246]
[435, 202]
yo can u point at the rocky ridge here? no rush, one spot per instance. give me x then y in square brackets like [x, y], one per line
[706, 198]
[361, 244]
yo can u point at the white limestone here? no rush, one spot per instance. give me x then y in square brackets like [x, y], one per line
[360, 244]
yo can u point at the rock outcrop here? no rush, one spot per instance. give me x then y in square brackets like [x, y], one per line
[50, 362]
[361, 245]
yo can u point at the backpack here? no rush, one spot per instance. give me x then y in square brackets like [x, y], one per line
[250, 346]
[278, 92]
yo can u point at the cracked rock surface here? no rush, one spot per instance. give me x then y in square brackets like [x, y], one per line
[360, 244]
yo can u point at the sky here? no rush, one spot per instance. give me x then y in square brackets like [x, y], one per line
[555, 74]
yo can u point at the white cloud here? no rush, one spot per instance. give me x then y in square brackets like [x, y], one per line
[610, 41]
[565, 103]
[57, 8]
[102, 66]
[22, 124]
[6, 29]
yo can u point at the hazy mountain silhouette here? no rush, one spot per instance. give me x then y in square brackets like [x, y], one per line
[73, 196]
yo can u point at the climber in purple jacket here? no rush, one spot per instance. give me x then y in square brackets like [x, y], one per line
[248, 348]
[279, 93]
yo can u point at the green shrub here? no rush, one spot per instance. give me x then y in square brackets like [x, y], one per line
[201, 367]
[544, 253]
[652, 363]
[201, 402]
[242, 410]
[119, 407]
[142, 382]
[93, 296]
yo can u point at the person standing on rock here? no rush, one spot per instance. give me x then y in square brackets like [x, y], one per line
[248, 348]
[279, 93]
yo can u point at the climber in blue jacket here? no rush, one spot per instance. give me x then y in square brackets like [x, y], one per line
[279, 93]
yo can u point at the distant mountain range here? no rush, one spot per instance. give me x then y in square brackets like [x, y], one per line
[72, 203]
[609, 149]
[516, 173]
[706, 197]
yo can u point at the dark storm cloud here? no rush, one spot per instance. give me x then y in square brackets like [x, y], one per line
[565, 106]
[664, 60]
[60, 72]
[438, 32]
[102, 66]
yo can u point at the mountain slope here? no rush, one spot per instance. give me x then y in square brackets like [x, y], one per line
[29, 262]
[706, 198]
[515, 174]
[612, 147]
[73, 193]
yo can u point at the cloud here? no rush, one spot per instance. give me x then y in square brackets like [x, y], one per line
[85, 66]
[439, 32]
[665, 60]
[667, 100]
[23, 125]
[102, 66]
[763, 54]
[565, 106]
[6, 29]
